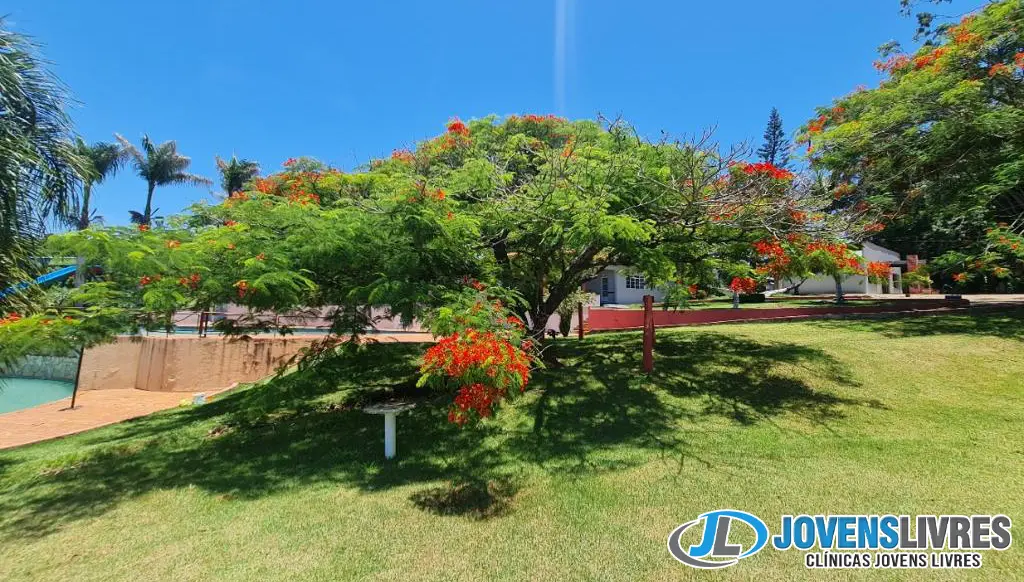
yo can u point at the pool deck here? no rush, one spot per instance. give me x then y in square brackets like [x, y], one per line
[94, 408]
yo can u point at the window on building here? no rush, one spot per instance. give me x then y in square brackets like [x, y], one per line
[635, 282]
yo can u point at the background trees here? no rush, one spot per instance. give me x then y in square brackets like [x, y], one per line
[100, 161]
[158, 165]
[38, 163]
[235, 173]
[938, 146]
[775, 148]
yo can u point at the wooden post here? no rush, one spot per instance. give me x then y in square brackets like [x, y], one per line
[579, 327]
[648, 333]
[78, 376]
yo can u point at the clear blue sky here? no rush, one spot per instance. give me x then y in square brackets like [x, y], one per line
[348, 81]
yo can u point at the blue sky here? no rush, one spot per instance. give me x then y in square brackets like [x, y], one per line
[348, 81]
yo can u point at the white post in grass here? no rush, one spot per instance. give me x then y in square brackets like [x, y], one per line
[390, 446]
[390, 412]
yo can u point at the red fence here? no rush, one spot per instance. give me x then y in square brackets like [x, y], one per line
[603, 319]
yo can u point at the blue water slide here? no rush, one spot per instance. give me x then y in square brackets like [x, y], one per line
[43, 280]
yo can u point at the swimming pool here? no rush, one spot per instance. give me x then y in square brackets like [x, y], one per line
[19, 393]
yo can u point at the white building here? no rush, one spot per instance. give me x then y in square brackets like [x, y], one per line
[823, 284]
[614, 285]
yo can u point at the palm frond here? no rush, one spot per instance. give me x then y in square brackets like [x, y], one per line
[131, 151]
[39, 168]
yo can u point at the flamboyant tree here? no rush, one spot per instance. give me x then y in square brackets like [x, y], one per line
[483, 232]
[938, 147]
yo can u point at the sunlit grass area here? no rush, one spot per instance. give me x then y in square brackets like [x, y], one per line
[581, 478]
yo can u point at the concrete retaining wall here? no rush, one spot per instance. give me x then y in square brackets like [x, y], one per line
[185, 364]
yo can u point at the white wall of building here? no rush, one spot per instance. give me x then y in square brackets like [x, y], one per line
[612, 286]
[821, 284]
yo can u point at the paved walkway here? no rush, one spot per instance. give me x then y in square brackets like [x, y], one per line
[94, 408]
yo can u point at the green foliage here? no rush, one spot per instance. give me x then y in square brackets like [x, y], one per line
[936, 148]
[39, 168]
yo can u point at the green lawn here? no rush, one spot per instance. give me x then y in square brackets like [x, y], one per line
[583, 478]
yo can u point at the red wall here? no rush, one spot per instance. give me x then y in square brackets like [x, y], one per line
[602, 319]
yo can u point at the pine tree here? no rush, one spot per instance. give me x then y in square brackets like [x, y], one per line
[775, 149]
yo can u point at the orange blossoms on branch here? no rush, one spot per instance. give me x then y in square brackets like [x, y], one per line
[743, 285]
[767, 169]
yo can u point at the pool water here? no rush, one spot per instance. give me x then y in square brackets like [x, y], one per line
[19, 393]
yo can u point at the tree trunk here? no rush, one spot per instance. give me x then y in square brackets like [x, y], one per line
[83, 221]
[146, 218]
[735, 300]
[839, 289]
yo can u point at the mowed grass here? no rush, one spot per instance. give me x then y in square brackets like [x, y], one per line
[580, 479]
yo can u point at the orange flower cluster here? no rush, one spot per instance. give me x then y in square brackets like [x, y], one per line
[475, 397]
[743, 285]
[404, 156]
[570, 146]
[999, 69]
[775, 253]
[768, 169]
[242, 287]
[769, 248]
[817, 125]
[11, 318]
[485, 364]
[264, 186]
[424, 194]
[928, 59]
[960, 277]
[1018, 59]
[798, 215]
[147, 279]
[839, 252]
[961, 35]
[458, 128]
[303, 198]
[192, 281]
[143, 228]
[892, 64]
[173, 244]
[874, 227]
[878, 270]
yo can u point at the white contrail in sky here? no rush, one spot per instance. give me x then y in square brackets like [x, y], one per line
[564, 29]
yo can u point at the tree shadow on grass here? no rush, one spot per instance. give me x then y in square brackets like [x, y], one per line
[1008, 324]
[306, 429]
[602, 400]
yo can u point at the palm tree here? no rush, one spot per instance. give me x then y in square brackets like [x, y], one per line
[102, 160]
[39, 168]
[159, 165]
[235, 173]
